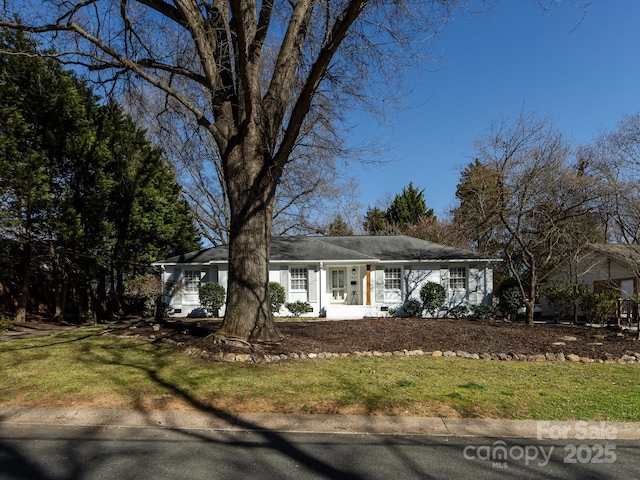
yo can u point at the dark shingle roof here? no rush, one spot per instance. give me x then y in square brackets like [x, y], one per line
[354, 248]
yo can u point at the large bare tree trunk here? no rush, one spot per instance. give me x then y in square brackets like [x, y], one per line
[248, 314]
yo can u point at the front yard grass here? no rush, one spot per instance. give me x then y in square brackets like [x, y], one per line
[86, 369]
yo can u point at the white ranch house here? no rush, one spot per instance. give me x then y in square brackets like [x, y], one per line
[342, 277]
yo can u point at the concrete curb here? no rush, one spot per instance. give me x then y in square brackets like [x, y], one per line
[345, 424]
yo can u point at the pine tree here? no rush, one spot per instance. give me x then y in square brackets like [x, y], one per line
[339, 227]
[408, 207]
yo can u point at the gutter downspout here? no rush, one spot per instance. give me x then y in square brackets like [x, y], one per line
[320, 288]
[368, 285]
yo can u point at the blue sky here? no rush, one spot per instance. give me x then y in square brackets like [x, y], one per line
[582, 72]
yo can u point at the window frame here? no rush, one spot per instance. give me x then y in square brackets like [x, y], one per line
[298, 277]
[393, 279]
[455, 278]
[191, 280]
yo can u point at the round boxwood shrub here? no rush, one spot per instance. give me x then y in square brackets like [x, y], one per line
[433, 296]
[276, 296]
[211, 296]
[413, 308]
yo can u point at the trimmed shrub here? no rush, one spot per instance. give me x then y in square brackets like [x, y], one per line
[459, 311]
[483, 312]
[212, 297]
[276, 296]
[565, 299]
[298, 308]
[601, 306]
[509, 297]
[433, 296]
[413, 308]
[5, 323]
[198, 313]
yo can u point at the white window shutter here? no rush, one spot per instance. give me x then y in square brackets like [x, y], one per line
[379, 285]
[312, 277]
[284, 280]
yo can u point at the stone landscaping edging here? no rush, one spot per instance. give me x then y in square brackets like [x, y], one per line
[605, 358]
[630, 358]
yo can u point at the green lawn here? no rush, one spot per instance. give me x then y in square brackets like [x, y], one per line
[86, 369]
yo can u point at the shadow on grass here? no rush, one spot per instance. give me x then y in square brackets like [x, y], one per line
[80, 453]
[81, 461]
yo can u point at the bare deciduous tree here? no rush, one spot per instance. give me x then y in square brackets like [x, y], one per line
[311, 185]
[210, 57]
[615, 157]
[541, 198]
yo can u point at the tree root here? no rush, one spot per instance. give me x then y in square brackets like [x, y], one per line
[219, 339]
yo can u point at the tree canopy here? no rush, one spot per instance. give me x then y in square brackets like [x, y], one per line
[527, 197]
[408, 208]
[253, 75]
[84, 191]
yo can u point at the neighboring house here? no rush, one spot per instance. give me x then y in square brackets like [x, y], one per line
[599, 266]
[343, 277]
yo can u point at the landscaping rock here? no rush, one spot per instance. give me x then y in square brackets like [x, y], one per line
[573, 358]
[449, 353]
[627, 359]
[437, 353]
[191, 351]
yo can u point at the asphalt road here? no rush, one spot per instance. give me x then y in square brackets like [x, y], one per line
[39, 451]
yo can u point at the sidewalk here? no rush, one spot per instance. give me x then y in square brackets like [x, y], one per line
[345, 424]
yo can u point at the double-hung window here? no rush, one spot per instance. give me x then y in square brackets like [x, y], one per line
[191, 280]
[298, 279]
[457, 278]
[392, 278]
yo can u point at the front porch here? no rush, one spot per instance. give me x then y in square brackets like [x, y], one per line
[351, 312]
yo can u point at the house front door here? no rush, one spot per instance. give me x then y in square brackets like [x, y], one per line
[338, 285]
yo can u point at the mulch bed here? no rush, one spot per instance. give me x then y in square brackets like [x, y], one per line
[398, 334]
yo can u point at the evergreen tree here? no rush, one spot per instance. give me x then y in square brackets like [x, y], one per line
[480, 193]
[339, 227]
[44, 116]
[375, 222]
[408, 207]
[81, 184]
